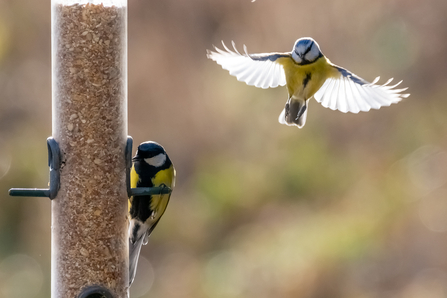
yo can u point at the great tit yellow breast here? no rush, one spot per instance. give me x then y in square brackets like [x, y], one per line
[145, 207]
[166, 177]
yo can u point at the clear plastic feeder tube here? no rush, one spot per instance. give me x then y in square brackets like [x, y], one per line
[89, 100]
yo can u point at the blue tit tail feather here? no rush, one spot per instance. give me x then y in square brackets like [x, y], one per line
[294, 113]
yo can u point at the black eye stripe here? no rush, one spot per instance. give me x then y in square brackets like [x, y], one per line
[308, 49]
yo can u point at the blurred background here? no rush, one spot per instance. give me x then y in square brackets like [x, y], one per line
[353, 205]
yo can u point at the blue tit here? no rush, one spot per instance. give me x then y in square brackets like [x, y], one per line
[151, 168]
[307, 73]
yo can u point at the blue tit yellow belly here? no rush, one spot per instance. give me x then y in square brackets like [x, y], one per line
[303, 81]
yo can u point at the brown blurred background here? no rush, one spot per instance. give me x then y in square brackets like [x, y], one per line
[349, 206]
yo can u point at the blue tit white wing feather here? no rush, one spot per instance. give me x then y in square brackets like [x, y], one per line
[260, 70]
[347, 92]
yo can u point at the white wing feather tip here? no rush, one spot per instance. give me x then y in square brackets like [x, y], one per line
[394, 86]
[245, 51]
[265, 73]
[387, 82]
[375, 80]
[234, 46]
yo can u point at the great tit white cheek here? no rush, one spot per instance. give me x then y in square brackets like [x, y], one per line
[157, 160]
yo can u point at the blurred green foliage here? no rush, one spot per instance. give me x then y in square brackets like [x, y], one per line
[349, 206]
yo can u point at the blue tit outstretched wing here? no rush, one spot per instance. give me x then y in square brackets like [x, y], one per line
[260, 70]
[347, 92]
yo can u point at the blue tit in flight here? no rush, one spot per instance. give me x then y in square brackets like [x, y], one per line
[307, 73]
[151, 168]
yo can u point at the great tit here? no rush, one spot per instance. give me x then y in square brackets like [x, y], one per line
[151, 168]
[307, 73]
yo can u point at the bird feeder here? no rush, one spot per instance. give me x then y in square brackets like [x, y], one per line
[89, 101]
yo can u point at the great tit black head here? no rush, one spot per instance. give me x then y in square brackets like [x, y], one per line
[151, 153]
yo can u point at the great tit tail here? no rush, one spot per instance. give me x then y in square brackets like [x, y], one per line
[134, 253]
